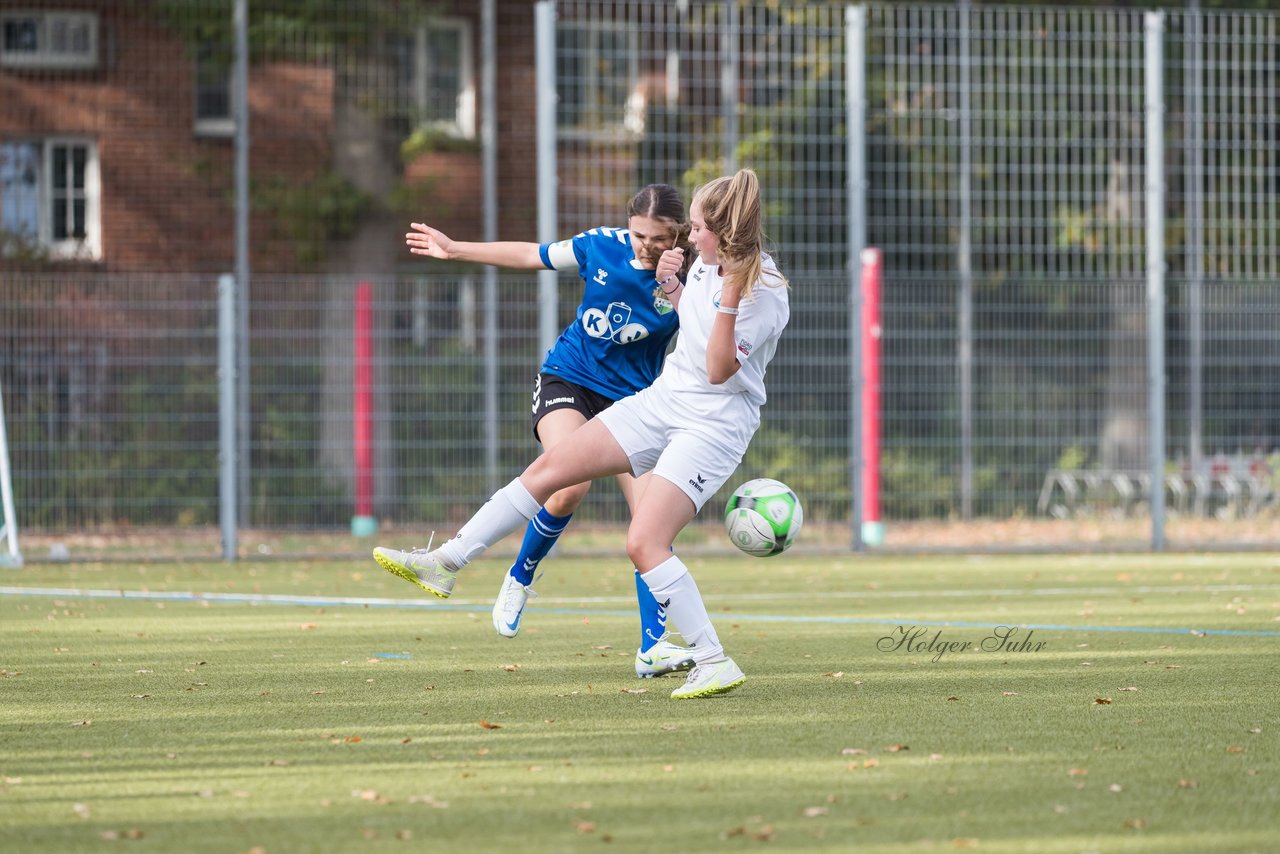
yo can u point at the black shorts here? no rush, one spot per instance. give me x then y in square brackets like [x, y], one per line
[551, 392]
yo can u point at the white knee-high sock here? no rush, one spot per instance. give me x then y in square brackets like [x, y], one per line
[510, 507]
[674, 588]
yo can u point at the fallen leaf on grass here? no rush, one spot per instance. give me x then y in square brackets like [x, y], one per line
[308, 626]
[1008, 693]
[82, 723]
[1102, 701]
[278, 762]
[1130, 688]
[1135, 823]
[1077, 772]
[814, 812]
[952, 699]
[1115, 788]
[511, 668]
[1184, 783]
[1256, 730]
[764, 834]
[853, 751]
[585, 827]
[894, 748]
[838, 674]
[635, 690]
[1234, 748]
[429, 801]
[487, 725]
[404, 835]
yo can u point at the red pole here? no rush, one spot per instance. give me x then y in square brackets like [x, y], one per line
[363, 523]
[872, 527]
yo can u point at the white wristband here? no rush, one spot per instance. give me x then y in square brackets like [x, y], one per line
[724, 309]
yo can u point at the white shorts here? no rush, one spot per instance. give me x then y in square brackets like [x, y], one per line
[693, 441]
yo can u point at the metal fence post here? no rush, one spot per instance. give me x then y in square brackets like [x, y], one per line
[1155, 201]
[228, 487]
[964, 266]
[855, 58]
[489, 168]
[1195, 241]
[544, 19]
[240, 101]
[729, 87]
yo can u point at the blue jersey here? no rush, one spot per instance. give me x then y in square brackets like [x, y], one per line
[616, 345]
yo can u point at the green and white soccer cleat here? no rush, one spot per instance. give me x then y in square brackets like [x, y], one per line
[706, 680]
[418, 567]
[509, 606]
[662, 658]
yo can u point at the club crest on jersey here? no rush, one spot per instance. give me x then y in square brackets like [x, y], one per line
[613, 323]
[661, 304]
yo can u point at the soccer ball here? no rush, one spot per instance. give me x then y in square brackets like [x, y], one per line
[763, 517]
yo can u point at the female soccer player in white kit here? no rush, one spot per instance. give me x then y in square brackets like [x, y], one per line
[690, 428]
[614, 347]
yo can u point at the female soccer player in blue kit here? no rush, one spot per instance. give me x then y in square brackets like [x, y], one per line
[614, 348]
[690, 428]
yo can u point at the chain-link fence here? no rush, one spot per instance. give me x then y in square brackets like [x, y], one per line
[1006, 166]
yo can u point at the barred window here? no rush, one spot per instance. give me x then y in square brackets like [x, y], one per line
[49, 197]
[597, 69]
[435, 76]
[32, 39]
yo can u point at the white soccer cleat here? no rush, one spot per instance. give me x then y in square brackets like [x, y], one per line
[509, 606]
[662, 658]
[418, 567]
[706, 680]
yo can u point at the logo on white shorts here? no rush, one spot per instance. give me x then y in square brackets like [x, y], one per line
[697, 482]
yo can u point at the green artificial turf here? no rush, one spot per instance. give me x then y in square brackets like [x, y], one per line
[228, 726]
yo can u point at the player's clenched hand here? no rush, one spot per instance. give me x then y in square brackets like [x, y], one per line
[425, 240]
[669, 264]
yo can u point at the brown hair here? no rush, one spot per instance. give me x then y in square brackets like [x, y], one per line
[662, 202]
[731, 211]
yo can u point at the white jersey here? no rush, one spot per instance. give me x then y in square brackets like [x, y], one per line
[756, 331]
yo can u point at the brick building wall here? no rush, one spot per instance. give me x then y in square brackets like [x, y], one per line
[167, 193]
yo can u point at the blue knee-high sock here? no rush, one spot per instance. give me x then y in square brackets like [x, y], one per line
[653, 617]
[542, 533]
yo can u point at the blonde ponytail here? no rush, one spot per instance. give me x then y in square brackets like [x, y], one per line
[731, 209]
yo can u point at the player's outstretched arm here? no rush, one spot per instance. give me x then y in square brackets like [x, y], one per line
[425, 240]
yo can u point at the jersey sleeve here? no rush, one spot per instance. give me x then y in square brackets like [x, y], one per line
[566, 254]
[756, 321]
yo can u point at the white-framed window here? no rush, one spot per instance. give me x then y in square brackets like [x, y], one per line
[597, 73]
[48, 39]
[50, 196]
[213, 111]
[436, 77]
